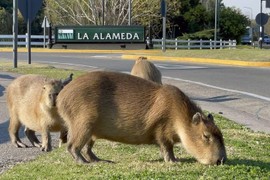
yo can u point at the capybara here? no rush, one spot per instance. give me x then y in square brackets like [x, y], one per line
[146, 70]
[31, 101]
[128, 109]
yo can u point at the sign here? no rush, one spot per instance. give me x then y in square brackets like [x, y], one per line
[99, 34]
[45, 23]
[163, 8]
[267, 4]
[264, 18]
[29, 5]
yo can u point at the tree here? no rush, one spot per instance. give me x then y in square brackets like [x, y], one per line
[232, 23]
[198, 19]
[5, 22]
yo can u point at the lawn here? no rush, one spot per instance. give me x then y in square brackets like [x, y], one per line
[248, 154]
[248, 158]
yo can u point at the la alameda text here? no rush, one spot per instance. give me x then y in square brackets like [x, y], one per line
[109, 36]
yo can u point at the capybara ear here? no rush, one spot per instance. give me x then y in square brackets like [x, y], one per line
[197, 118]
[67, 80]
[210, 117]
[141, 58]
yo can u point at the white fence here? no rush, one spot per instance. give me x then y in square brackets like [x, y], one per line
[38, 40]
[194, 44]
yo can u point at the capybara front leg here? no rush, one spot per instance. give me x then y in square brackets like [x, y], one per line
[63, 137]
[167, 152]
[14, 126]
[46, 141]
[30, 134]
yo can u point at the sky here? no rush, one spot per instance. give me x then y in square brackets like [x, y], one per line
[250, 8]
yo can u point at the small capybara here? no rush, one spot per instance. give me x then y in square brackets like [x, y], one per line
[128, 109]
[31, 101]
[146, 70]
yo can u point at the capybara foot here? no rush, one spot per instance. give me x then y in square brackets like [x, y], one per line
[19, 144]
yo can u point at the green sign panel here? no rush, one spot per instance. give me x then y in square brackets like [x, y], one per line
[99, 34]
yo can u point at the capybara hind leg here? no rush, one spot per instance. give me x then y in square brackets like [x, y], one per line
[89, 153]
[46, 141]
[76, 154]
[14, 126]
[63, 137]
[167, 152]
[77, 139]
[30, 134]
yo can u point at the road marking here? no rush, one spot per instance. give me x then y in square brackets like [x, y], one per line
[99, 56]
[69, 64]
[220, 88]
[177, 79]
[178, 66]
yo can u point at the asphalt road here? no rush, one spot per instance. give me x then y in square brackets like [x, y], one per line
[238, 93]
[253, 81]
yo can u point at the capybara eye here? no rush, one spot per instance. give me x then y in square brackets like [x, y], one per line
[206, 136]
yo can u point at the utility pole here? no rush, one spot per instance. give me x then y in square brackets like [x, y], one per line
[129, 12]
[15, 32]
[103, 12]
[163, 14]
[215, 33]
[261, 27]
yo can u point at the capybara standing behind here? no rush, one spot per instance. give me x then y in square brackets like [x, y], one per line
[31, 101]
[124, 108]
[146, 70]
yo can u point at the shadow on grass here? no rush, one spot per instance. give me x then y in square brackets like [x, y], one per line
[248, 162]
[179, 160]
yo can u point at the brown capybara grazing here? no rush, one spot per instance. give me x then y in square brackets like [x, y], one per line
[128, 109]
[31, 101]
[146, 70]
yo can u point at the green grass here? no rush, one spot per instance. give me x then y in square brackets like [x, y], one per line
[243, 54]
[248, 158]
[248, 154]
[50, 71]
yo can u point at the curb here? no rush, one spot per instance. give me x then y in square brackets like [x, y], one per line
[134, 54]
[201, 60]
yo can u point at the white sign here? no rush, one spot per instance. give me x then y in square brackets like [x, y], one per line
[45, 23]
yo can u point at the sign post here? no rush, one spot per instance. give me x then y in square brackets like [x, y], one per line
[45, 24]
[163, 14]
[29, 9]
[15, 32]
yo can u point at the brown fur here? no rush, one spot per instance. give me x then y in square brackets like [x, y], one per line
[124, 108]
[31, 101]
[146, 70]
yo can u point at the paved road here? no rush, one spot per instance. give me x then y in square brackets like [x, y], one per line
[227, 93]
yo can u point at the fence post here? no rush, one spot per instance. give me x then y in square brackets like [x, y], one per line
[220, 44]
[230, 44]
[234, 43]
[162, 42]
[176, 44]
[210, 43]
[26, 40]
[200, 43]
[188, 43]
